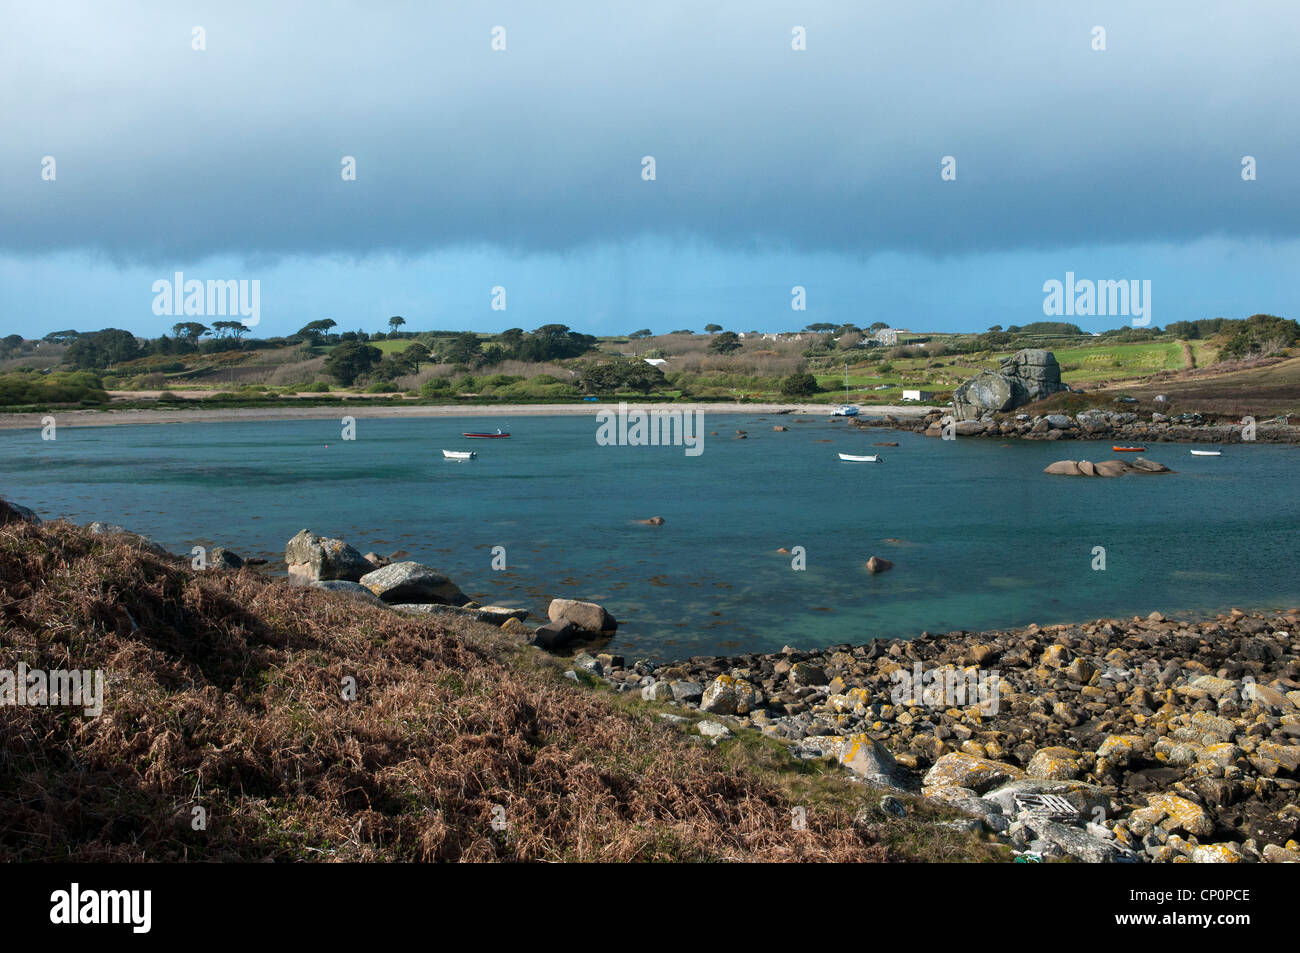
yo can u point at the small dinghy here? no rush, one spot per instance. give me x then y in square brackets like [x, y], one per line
[1207, 453]
[851, 458]
[1128, 449]
[487, 436]
[459, 454]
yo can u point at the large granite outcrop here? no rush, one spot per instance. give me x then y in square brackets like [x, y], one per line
[1028, 375]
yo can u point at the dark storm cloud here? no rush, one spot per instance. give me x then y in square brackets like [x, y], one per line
[163, 151]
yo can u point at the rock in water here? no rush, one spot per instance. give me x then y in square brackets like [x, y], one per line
[411, 582]
[1064, 468]
[552, 635]
[312, 558]
[585, 615]
[1144, 465]
[875, 565]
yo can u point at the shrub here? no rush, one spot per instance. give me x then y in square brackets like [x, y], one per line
[799, 385]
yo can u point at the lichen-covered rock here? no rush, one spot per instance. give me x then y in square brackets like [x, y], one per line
[968, 771]
[1118, 750]
[1179, 814]
[1217, 854]
[867, 758]
[807, 673]
[1075, 842]
[1054, 764]
[728, 695]
[313, 558]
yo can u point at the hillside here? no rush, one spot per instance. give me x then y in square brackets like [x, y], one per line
[555, 365]
[223, 691]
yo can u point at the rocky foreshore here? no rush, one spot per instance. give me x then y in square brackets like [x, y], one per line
[1144, 739]
[1119, 426]
[1116, 740]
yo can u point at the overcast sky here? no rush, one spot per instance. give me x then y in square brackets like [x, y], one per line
[523, 167]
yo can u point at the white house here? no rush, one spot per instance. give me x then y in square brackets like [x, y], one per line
[655, 361]
[917, 395]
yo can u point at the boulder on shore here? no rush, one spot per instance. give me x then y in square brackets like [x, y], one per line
[353, 590]
[585, 615]
[1028, 375]
[554, 634]
[222, 558]
[24, 514]
[492, 615]
[410, 582]
[112, 529]
[313, 558]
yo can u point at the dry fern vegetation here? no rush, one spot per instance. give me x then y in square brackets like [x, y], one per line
[223, 691]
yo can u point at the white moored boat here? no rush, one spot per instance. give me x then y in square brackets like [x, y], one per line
[1207, 453]
[459, 454]
[874, 458]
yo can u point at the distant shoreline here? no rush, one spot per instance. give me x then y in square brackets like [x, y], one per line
[109, 418]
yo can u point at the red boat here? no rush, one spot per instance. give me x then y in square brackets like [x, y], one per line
[487, 436]
[1113, 449]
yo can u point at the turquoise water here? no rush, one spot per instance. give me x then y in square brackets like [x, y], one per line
[979, 536]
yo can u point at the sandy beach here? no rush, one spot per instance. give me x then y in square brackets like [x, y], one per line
[109, 418]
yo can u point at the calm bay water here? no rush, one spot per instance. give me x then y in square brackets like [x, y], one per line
[980, 537]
